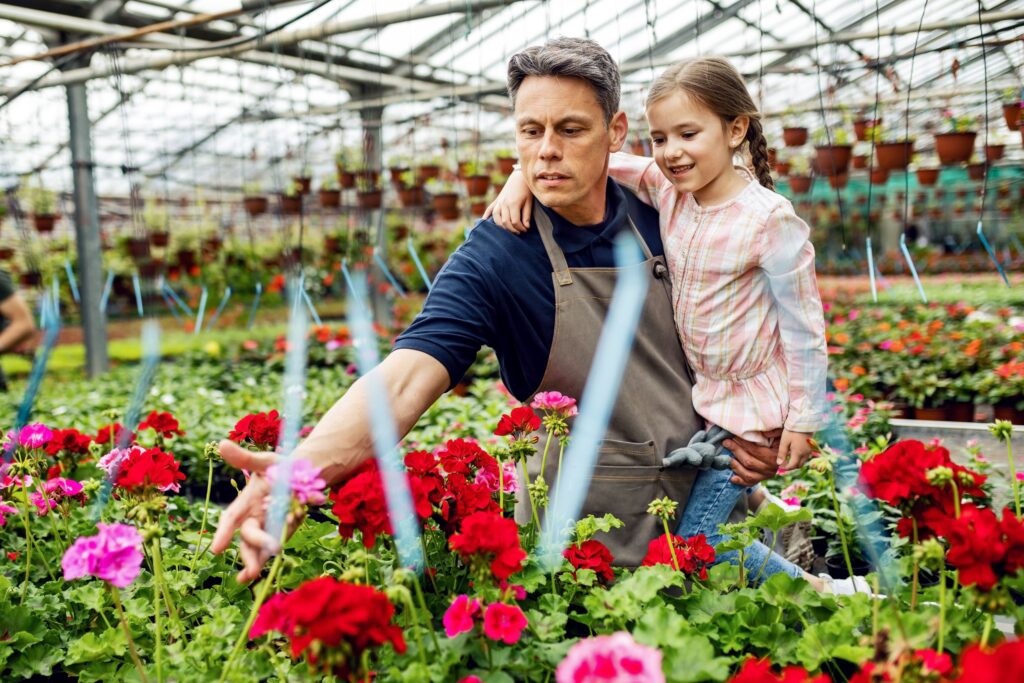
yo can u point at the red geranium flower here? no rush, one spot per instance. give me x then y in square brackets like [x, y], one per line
[1001, 664]
[152, 467]
[332, 622]
[359, 503]
[163, 424]
[488, 535]
[693, 554]
[261, 430]
[591, 555]
[1013, 537]
[69, 442]
[760, 671]
[520, 422]
[111, 433]
[975, 545]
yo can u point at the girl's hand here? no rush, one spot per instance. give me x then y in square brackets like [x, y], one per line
[794, 450]
[511, 209]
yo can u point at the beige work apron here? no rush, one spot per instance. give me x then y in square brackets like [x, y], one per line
[654, 411]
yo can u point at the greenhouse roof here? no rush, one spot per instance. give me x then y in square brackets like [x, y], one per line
[196, 107]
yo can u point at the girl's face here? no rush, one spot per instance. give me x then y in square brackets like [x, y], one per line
[693, 147]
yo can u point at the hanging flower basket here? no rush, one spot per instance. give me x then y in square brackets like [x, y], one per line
[478, 208]
[476, 185]
[330, 199]
[6, 253]
[396, 174]
[370, 199]
[782, 168]
[44, 222]
[861, 126]
[367, 177]
[954, 148]
[291, 206]
[447, 205]
[150, 269]
[409, 197]
[1011, 112]
[332, 244]
[255, 205]
[346, 179]
[185, 258]
[800, 184]
[505, 165]
[879, 176]
[894, 156]
[976, 171]
[31, 278]
[304, 183]
[794, 137]
[838, 182]
[833, 159]
[400, 231]
[927, 176]
[994, 152]
[160, 238]
[428, 172]
[859, 161]
[138, 248]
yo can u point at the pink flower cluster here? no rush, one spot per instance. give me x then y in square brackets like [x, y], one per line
[54, 491]
[114, 555]
[5, 510]
[35, 435]
[502, 622]
[555, 402]
[306, 484]
[610, 659]
[490, 480]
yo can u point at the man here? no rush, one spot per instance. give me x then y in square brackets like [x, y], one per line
[16, 323]
[539, 300]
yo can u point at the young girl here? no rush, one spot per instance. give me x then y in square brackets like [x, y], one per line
[746, 302]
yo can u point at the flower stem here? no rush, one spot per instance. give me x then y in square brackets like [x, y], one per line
[956, 497]
[128, 633]
[158, 641]
[544, 458]
[501, 487]
[942, 609]
[423, 605]
[158, 572]
[915, 581]
[202, 526]
[426, 563]
[671, 544]
[767, 557]
[839, 523]
[534, 518]
[1015, 485]
[987, 630]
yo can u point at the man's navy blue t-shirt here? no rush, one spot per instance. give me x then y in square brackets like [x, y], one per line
[496, 291]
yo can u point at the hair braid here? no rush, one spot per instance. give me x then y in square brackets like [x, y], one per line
[759, 153]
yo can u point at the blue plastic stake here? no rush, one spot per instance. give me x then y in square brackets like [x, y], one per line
[72, 281]
[150, 360]
[185, 308]
[255, 305]
[347, 275]
[105, 297]
[35, 379]
[55, 294]
[294, 384]
[396, 486]
[312, 308]
[138, 293]
[913, 270]
[387, 273]
[170, 304]
[871, 271]
[202, 310]
[992, 253]
[599, 396]
[220, 308]
[419, 264]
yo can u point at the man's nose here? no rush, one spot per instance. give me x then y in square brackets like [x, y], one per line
[550, 147]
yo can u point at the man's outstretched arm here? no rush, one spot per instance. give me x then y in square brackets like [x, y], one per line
[339, 443]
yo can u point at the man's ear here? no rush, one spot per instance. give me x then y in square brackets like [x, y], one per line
[737, 129]
[618, 129]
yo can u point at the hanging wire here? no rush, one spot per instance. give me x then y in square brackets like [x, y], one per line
[824, 118]
[871, 159]
[128, 169]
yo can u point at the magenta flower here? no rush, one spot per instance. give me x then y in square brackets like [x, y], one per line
[114, 555]
[35, 435]
[504, 622]
[5, 510]
[610, 659]
[54, 491]
[470, 679]
[111, 462]
[306, 484]
[555, 402]
[460, 615]
[7, 481]
[508, 473]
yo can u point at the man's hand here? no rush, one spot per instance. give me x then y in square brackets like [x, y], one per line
[752, 464]
[247, 512]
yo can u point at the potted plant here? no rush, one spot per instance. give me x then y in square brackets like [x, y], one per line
[368, 192]
[506, 159]
[957, 144]
[410, 192]
[253, 199]
[833, 151]
[891, 154]
[156, 219]
[305, 180]
[1003, 388]
[927, 171]
[136, 247]
[1012, 103]
[474, 179]
[291, 199]
[800, 175]
[477, 205]
[976, 170]
[444, 198]
[879, 176]
[792, 134]
[838, 182]
[995, 149]
[862, 126]
[397, 166]
[428, 170]
[925, 389]
[329, 193]
[334, 242]
[42, 204]
[345, 160]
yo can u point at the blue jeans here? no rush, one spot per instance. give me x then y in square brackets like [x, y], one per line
[711, 501]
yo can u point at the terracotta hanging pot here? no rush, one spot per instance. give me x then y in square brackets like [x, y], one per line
[6, 253]
[1011, 113]
[927, 176]
[346, 179]
[505, 165]
[833, 159]
[31, 278]
[800, 184]
[396, 174]
[138, 248]
[859, 161]
[409, 197]
[954, 148]
[879, 176]
[476, 185]
[794, 137]
[370, 199]
[782, 168]
[428, 172]
[368, 177]
[893, 156]
[44, 222]
[838, 182]
[330, 199]
[255, 205]
[447, 205]
[304, 183]
[976, 171]
[994, 152]
[291, 206]
[161, 238]
[861, 126]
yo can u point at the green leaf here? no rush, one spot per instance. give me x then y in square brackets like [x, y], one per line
[775, 519]
[91, 647]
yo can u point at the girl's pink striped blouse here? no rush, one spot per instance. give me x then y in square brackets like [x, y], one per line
[746, 303]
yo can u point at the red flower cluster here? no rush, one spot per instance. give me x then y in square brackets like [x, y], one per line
[111, 434]
[360, 504]
[459, 480]
[1003, 663]
[899, 476]
[260, 430]
[490, 535]
[760, 671]
[149, 468]
[591, 555]
[917, 665]
[333, 622]
[693, 554]
[164, 424]
[68, 442]
[520, 422]
[984, 548]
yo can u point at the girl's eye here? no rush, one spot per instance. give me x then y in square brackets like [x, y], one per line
[657, 141]
[688, 135]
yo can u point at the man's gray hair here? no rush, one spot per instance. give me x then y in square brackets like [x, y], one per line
[571, 58]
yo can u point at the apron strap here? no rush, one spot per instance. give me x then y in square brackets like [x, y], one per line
[555, 254]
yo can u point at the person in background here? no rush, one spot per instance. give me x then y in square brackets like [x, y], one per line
[16, 323]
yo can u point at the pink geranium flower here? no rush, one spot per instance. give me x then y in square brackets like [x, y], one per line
[504, 622]
[114, 555]
[306, 484]
[35, 435]
[610, 659]
[111, 462]
[54, 491]
[461, 615]
[5, 510]
[555, 402]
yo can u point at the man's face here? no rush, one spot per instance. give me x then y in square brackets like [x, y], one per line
[564, 143]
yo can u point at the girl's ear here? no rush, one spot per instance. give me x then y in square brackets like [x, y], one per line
[737, 130]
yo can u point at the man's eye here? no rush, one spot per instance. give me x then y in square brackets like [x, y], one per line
[571, 131]
[529, 131]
